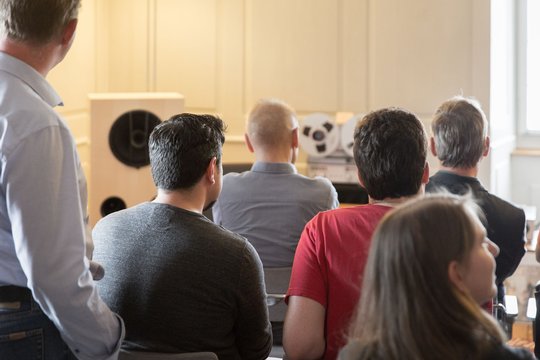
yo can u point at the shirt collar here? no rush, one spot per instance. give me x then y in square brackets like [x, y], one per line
[275, 168]
[465, 179]
[31, 77]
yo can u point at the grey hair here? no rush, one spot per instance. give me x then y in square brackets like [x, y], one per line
[36, 21]
[459, 130]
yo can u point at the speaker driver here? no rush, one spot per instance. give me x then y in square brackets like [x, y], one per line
[128, 138]
[112, 204]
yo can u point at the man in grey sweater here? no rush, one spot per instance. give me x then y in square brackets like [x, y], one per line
[180, 282]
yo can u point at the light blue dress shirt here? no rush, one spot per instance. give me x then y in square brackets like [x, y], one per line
[42, 211]
[269, 205]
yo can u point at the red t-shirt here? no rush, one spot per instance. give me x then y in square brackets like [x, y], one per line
[329, 263]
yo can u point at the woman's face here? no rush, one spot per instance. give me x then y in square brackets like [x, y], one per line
[478, 273]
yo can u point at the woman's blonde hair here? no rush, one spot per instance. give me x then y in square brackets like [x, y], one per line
[409, 309]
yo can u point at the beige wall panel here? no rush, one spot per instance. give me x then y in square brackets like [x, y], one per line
[230, 66]
[292, 52]
[102, 21]
[235, 151]
[79, 124]
[75, 76]
[354, 25]
[419, 52]
[127, 45]
[186, 50]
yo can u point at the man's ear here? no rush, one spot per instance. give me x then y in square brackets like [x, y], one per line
[432, 146]
[360, 179]
[211, 171]
[425, 175]
[248, 143]
[455, 276]
[487, 147]
[69, 31]
[295, 138]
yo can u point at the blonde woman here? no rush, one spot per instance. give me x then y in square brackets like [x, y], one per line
[429, 268]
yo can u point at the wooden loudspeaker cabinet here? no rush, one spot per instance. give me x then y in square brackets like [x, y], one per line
[120, 124]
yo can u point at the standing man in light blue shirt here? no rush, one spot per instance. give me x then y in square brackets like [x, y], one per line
[49, 305]
[271, 203]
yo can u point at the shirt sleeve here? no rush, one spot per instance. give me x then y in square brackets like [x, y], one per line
[44, 205]
[253, 330]
[308, 277]
[333, 199]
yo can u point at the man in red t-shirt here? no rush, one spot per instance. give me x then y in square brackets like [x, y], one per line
[390, 149]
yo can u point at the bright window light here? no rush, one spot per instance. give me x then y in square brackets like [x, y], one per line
[511, 304]
[531, 308]
[533, 65]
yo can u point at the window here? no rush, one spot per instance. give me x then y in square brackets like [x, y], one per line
[528, 72]
[532, 66]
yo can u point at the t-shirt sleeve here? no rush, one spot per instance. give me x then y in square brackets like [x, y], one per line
[309, 273]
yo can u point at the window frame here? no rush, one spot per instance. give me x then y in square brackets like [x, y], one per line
[526, 138]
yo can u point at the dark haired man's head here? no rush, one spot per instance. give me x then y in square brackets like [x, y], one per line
[390, 148]
[182, 147]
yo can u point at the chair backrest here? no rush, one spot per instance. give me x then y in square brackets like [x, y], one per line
[277, 284]
[143, 355]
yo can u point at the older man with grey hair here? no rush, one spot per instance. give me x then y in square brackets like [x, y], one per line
[460, 141]
[49, 306]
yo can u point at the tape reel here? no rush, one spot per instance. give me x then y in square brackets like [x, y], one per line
[347, 134]
[319, 135]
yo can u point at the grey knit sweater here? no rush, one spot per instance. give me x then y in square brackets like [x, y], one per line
[182, 283]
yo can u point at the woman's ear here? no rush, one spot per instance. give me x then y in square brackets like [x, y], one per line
[456, 277]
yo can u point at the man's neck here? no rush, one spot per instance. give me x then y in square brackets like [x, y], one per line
[273, 157]
[191, 200]
[469, 172]
[40, 58]
[396, 201]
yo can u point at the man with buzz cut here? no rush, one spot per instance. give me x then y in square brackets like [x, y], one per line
[181, 282]
[460, 141]
[271, 203]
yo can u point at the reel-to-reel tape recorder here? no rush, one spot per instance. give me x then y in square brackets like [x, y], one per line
[328, 143]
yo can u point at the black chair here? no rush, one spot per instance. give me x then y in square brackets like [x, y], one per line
[143, 355]
[277, 284]
[536, 323]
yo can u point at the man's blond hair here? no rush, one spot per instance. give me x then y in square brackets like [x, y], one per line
[270, 124]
